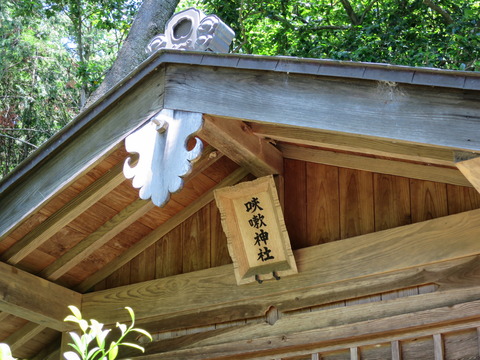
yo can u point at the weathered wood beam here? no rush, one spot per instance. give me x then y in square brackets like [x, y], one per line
[235, 140]
[331, 329]
[117, 224]
[96, 240]
[96, 131]
[469, 165]
[404, 113]
[66, 214]
[162, 230]
[22, 336]
[35, 299]
[212, 294]
[355, 143]
[382, 166]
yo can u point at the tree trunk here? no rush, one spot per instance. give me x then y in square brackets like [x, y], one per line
[150, 21]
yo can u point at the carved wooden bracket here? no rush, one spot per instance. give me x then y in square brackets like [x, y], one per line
[191, 29]
[163, 155]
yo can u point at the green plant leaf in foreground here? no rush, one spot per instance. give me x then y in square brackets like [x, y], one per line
[91, 345]
[5, 352]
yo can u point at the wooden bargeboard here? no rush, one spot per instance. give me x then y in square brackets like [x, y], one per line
[257, 237]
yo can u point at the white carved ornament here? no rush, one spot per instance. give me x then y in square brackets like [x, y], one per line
[191, 29]
[163, 155]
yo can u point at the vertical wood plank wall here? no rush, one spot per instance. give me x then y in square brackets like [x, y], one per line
[322, 204]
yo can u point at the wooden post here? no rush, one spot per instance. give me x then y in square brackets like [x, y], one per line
[64, 347]
[396, 350]
[438, 349]
[354, 353]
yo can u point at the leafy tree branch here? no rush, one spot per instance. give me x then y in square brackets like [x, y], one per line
[446, 16]
[350, 12]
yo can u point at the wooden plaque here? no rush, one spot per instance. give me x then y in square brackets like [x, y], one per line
[257, 238]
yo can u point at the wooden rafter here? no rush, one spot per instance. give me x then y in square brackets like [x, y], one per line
[354, 143]
[382, 166]
[22, 336]
[214, 292]
[116, 225]
[22, 248]
[35, 299]
[469, 165]
[156, 234]
[235, 140]
[108, 230]
[97, 239]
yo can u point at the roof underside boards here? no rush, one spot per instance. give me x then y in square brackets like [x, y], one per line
[357, 153]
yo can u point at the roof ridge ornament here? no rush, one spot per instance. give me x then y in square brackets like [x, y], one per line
[162, 142]
[192, 29]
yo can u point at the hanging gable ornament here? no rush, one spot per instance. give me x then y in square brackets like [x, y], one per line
[162, 142]
[257, 238]
[191, 29]
[163, 156]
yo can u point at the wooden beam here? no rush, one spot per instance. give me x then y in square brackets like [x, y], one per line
[355, 143]
[101, 236]
[436, 116]
[96, 131]
[117, 224]
[97, 239]
[330, 330]
[235, 140]
[470, 168]
[22, 336]
[382, 166]
[156, 234]
[213, 293]
[35, 299]
[22, 248]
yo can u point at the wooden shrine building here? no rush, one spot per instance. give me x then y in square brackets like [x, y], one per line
[377, 170]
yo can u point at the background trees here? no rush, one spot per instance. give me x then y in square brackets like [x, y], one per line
[55, 53]
[432, 33]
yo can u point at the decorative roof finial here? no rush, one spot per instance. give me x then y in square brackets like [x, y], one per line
[191, 29]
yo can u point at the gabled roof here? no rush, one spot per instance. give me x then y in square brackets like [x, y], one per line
[69, 216]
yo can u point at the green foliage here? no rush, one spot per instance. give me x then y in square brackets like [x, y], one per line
[92, 344]
[402, 32]
[34, 99]
[95, 29]
[53, 54]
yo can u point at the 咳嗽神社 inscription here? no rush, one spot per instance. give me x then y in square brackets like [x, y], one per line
[257, 238]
